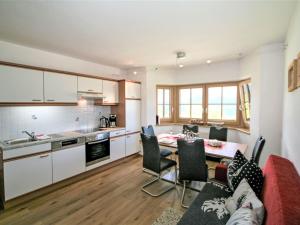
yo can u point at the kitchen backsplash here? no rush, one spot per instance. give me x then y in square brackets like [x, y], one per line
[49, 119]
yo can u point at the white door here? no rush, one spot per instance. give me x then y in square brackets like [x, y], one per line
[68, 162]
[117, 148]
[110, 91]
[132, 90]
[133, 115]
[59, 87]
[20, 85]
[132, 143]
[28, 174]
[92, 85]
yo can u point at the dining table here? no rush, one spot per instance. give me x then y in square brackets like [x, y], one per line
[226, 149]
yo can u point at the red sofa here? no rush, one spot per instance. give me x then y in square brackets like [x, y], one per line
[281, 191]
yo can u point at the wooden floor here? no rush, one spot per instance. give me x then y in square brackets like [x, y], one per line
[113, 196]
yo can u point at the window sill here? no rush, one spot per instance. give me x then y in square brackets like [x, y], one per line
[240, 129]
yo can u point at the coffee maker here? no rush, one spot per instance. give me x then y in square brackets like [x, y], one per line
[112, 119]
[104, 122]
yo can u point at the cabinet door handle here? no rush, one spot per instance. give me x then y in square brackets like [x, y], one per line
[50, 100]
[44, 156]
[90, 90]
[36, 100]
[112, 140]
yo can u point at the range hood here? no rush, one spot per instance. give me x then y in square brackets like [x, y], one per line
[90, 95]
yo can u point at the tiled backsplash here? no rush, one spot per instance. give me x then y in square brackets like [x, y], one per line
[48, 119]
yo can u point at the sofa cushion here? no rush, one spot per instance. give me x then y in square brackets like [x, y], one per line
[209, 206]
[281, 192]
[244, 216]
[249, 171]
[237, 162]
[245, 195]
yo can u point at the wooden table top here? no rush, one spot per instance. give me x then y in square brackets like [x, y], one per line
[227, 150]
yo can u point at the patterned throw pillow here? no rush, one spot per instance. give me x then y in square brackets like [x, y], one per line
[252, 173]
[238, 161]
[243, 216]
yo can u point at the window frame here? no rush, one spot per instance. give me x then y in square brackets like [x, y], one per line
[174, 95]
[226, 122]
[178, 88]
[246, 123]
[171, 89]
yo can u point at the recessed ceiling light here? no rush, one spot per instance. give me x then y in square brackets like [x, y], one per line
[208, 61]
[134, 72]
[181, 65]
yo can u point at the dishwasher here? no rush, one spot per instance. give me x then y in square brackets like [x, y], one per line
[68, 158]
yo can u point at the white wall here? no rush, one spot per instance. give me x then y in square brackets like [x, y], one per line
[265, 67]
[49, 119]
[291, 115]
[35, 57]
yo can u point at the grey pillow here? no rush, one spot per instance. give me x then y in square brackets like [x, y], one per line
[243, 216]
[245, 195]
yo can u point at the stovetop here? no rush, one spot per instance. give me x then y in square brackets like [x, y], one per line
[86, 131]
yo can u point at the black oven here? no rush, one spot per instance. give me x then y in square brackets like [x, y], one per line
[97, 148]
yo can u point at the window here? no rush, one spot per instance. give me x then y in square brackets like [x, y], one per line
[245, 93]
[164, 103]
[227, 103]
[222, 103]
[190, 103]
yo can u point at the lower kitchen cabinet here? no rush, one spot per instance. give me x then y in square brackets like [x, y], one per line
[68, 162]
[117, 148]
[27, 174]
[132, 143]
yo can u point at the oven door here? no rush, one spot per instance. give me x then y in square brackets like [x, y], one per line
[97, 151]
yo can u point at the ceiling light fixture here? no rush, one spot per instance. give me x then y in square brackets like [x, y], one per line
[134, 72]
[208, 61]
[179, 58]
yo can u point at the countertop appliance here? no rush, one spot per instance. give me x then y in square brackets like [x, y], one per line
[112, 120]
[97, 148]
[68, 143]
[104, 122]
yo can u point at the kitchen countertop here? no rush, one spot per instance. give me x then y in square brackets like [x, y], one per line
[55, 137]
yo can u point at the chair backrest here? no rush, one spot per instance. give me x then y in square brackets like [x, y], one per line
[190, 127]
[219, 133]
[151, 153]
[192, 160]
[148, 130]
[259, 145]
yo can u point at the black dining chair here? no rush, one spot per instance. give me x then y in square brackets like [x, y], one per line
[153, 161]
[219, 133]
[150, 131]
[258, 147]
[192, 163]
[190, 128]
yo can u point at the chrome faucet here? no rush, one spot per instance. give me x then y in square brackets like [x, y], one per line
[31, 135]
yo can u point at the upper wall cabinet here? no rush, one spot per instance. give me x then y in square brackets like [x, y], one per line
[92, 85]
[110, 92]
[60, 88]
[132, 90]
[20, 85]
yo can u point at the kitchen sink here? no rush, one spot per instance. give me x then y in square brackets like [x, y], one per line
[18, 141]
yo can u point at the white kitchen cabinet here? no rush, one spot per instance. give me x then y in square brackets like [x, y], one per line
[92, 85]
[110, 92]
[132, 90]
[20, 85]
[117, 148]
[68, 162]
[133, 115]
[27, 174]
[132, 143]
[59, 87]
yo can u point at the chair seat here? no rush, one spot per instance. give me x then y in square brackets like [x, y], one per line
[166, 163]
[165, 152]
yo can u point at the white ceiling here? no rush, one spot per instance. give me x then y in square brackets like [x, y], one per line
[144, 33]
